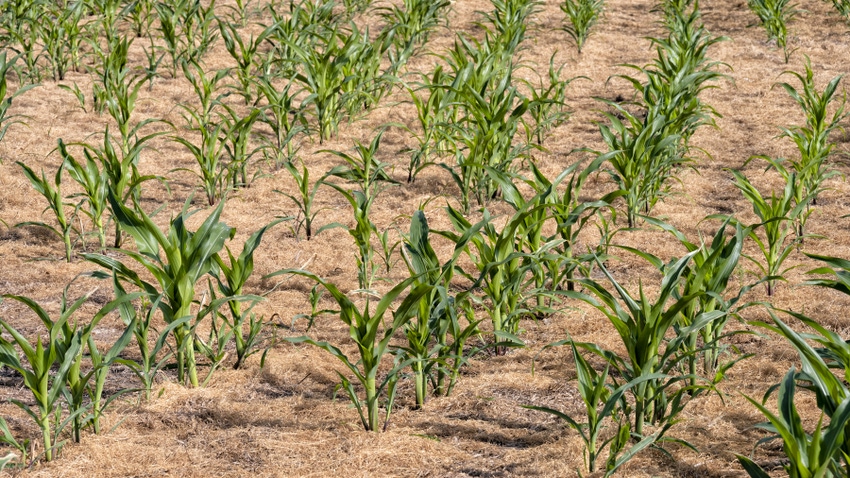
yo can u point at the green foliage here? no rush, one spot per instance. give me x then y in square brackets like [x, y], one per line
[53, 369]
[774, 16]
[364, 326]
[231, 277]
[304, 201]
[7, 120]
[55, 202]
[432, 357]
[642, 324]
[595, 391]
[707, 277]
[582, 16]
[777, 215]
[177, 260]
[812, 140]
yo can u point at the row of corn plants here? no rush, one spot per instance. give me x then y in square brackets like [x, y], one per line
[648, 148]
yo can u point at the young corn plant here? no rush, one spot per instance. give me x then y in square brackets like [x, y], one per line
[708, 277]
[121, 169]
[237, 145]
[321, 73]
[6, 99]
[206, 88]
[365, 327]
[547, 108]
[141, 318]
[364, 169]
[812, 140]
[777, 215]
[140, 15]
[504, 271]
[55, 202]
[59, 28]
[209, 156]
[582, 15]
[815, 454]
[432, 358]
[177, 260]
[643, 156]
[483, 138]
[410, 25]
[822, 452]
[284, 118]
[95, 184]
[244, 53]
[44, 375]
[595, 391]
[643, 324]
[774, 16]
[432, 110]
[231, 277]
[26, 40]
[304, 201]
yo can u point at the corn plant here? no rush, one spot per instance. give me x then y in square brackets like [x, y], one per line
[237, 145]
[503, 270]
[209, 156]
[304, 201]
[240, 12]
[64, 346]
[206, 89]
[112, 72]
[547, 108]
[364, 169]
[510, 19]
[95, 184]
[7, 120]
[231, 277]
[321, 73]
[822, 452]
[140, 15]
[284, 118]
[244, 53]
[410, 25]
[121, 169]
[365, 325]
[774, 16]
[431, 111]
[643, 157]
[177, 260]
[25, 36]
[483, 137]
[55, 202]
[60, 31]
[808, 455]
[142, 319]
[812, 140]
[563, 260]
[302, 17]
[642, 324]
[582, 16]
[44, 375]
[187, 28]
[595, 391]
[108, 13]
[436, 318]
[777, 215]
[708, 277]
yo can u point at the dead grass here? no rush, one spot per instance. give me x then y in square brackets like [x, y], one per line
[284, 419]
